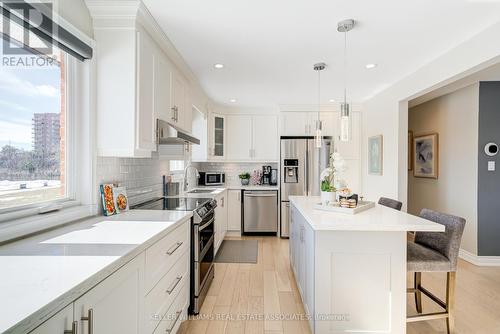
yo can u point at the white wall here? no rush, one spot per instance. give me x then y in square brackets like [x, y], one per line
[455, 118]
[386, 112]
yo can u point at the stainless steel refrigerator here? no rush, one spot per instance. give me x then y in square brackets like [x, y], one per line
[301, 164]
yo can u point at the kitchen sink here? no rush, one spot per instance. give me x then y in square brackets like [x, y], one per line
[201, 191]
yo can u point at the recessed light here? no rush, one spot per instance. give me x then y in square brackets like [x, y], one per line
[370, 66]
[219, 66]
[232, 100]
[331, 100]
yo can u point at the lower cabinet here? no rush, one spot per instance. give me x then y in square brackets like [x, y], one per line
[220, 219]
[302, 247]
[122, 303]
[60, 323]
[114, 305]
[234, 210]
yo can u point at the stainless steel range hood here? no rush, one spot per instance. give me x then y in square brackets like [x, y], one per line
[170, 134]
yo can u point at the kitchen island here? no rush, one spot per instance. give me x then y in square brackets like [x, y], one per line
[351, 269]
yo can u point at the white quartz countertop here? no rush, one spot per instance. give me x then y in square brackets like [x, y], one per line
[379, 218]
[42, 274]
[250, 187]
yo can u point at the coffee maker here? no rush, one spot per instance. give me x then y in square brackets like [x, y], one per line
[266, 175]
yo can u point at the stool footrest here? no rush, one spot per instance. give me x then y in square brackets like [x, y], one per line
[427, 316]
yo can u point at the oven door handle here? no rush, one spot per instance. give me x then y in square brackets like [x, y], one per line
[205, 249]
[202, 227]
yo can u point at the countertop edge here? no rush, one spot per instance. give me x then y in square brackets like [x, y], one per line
[388, 228]
[37, 318]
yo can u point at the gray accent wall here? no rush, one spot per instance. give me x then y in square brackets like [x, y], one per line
[488, 181]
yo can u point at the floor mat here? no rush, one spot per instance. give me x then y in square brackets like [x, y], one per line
[238, 251]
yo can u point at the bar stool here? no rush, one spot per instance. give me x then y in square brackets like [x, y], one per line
[391, 203]
[435, 252]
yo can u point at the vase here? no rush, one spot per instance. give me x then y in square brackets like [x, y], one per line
[327, 197]
[244, 182]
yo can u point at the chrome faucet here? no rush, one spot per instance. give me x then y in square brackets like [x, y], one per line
[186, 185]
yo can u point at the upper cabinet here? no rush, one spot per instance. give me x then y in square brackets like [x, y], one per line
[136, 83]
[304, 124]
[252, 138]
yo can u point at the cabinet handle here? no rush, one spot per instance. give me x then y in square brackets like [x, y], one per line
[174, 248]
[90, 319]
[178, 314]
[173, 285]
[173, 113]
[74, 328]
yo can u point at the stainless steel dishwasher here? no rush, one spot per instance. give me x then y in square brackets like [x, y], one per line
[260, 211]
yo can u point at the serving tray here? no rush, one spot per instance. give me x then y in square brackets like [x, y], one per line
[362, 206]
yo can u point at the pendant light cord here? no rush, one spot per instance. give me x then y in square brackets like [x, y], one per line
[319, 94]
[345, 67]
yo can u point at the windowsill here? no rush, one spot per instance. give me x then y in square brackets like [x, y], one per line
[24, 227]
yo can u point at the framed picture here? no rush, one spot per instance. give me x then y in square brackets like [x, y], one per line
[375, 155]
[410, 150]
[426, 156]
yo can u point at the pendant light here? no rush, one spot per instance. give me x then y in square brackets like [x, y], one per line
[318, 137]
[345, 108]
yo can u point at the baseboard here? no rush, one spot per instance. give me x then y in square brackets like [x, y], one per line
[233, 234]
[482, 261]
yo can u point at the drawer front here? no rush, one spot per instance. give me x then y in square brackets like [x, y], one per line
[161, 257]
[176, 314]
[159, 300]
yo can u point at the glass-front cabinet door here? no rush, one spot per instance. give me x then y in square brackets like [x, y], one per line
[218, 136]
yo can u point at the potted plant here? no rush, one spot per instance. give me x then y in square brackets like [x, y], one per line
[245, 178]
[328, 178]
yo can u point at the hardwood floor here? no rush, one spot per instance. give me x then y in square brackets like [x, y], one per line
[246, 298]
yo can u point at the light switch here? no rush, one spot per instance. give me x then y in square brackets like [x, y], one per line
[491, 166]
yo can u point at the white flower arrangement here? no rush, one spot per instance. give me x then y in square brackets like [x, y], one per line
[331, 176]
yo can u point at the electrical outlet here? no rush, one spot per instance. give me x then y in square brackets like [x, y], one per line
[491, 166]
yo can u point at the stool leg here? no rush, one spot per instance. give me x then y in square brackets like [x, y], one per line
[417, 282]
[450, 301]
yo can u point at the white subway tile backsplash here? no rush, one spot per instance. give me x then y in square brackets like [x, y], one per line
[141, 177]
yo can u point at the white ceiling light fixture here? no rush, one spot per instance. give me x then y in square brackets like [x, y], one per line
[370, 66]
[331, 100]
[232, 100]
[318, 137]
[345, 108]
[219, 66]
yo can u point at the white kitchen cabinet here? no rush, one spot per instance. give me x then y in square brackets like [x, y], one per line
[59, 323]
[302, 258]
[125, 80]
[304, 123]
[217, 136]
[239, 134]
[146, 57]
[162, 88]
[234, 210]
[220, 219]
[114, 305]
[181, 105]
[252, 138]
[265, 137]
[295, 124]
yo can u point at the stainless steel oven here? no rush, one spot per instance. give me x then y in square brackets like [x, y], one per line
[202, 254]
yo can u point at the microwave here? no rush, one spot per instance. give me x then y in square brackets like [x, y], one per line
[212, 179]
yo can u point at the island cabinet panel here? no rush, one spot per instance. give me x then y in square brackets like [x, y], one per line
[349, 281]
[302, 257]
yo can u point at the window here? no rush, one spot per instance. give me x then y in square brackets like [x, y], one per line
[176, 166]
[36, 119]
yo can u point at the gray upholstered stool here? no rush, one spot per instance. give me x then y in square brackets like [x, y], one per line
[435, 252]
[391, 203]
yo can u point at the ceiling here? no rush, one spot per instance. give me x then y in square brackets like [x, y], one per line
[268, 47]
